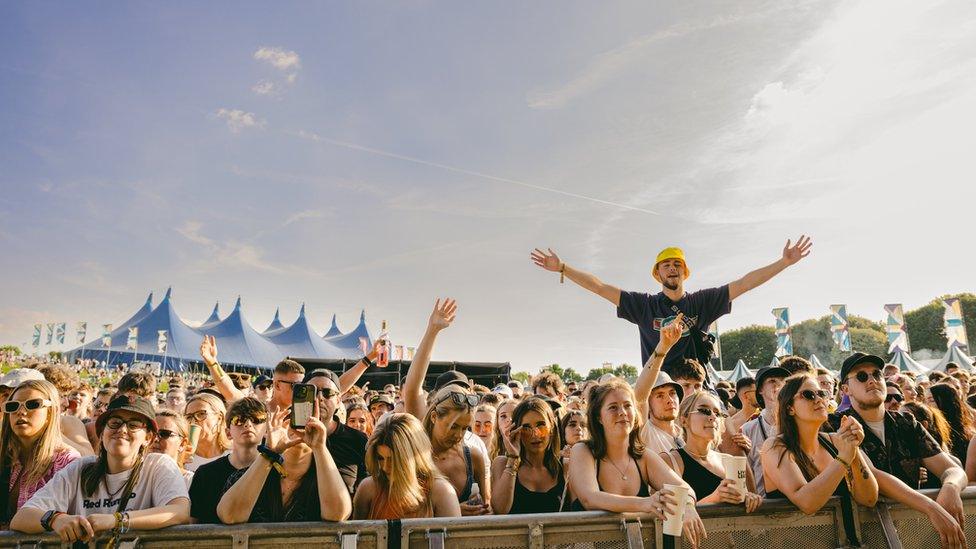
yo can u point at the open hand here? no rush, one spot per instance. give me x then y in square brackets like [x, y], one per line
[549, 262]
[443, 314]
[208, 350]
[792, 254]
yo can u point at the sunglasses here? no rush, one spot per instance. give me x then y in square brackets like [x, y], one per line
[198, 416]
[239, 421]
[327, 392]
[166, 434]
[238, 376]
[460, 399]
[863, 376]
[11, 406]
[812, 395]
[289, 383]
[116, 423]
[894, 396]
[263, 387]
[538, 430]
[708, 412]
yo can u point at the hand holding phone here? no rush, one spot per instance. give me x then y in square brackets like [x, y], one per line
[302, 404]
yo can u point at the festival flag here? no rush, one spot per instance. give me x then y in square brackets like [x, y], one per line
[36, 341]
[50, 332]
[955, 327]
[106, 335]
[839, 327]
[364, 345]
[784, 342]
[398, 352]
[410, 351]
[59, 331]
[713, 331]
[82, 332]
[161, 342]
[896, 329]
[133, 342]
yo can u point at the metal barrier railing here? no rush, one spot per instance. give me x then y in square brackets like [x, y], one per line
[777, 524]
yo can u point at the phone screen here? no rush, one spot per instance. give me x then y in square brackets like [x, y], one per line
[302, 404]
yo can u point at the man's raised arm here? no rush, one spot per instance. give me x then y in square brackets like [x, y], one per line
[791, 254]
[550, 262]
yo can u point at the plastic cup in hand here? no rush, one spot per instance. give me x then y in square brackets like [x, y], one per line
[194, 437]
[735, 470]
[673, 520]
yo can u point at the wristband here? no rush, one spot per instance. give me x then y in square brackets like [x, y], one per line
[562, 273]
[844, 463]
[369, 363]
[276, 459]
[48, 519]
[217, 371]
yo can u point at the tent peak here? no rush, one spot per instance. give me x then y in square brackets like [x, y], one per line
[277, 312]
[237, 305]
[301, 311]
[149, 299]
[334, 320]
[169, 293]
[362, 316]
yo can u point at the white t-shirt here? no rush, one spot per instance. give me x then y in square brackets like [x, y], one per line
[657, 440]
[198, 461]
[160, 482]
[475, 443]
[877, 427]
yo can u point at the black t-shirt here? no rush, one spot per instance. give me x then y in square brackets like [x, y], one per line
[348, 449]
[652, 312]
[304, 505]
[206, 488]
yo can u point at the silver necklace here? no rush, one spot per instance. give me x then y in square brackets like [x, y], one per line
[622, 475]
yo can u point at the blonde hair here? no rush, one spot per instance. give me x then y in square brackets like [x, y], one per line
[183, 427]
[442, 405]
[48, 442]
[217, 406]
[690, 404]
[406, 491]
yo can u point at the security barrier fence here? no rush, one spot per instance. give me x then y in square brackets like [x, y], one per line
[777, 524]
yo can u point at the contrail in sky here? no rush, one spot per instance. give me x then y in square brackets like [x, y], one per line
[315, 137]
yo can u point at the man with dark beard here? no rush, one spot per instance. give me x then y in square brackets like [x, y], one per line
[651, 313]
[898, 447]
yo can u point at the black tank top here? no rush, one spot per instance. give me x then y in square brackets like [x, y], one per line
[700, 478]
[841, 489]
[526, 501]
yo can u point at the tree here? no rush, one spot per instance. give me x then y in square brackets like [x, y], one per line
[10, 349]
[814, 337]
[626, 371]
[524, 377]
[595, 373]
[755, 345]
[571, 375]
[925, 325]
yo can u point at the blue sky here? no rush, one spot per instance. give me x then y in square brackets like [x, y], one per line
[377, 155]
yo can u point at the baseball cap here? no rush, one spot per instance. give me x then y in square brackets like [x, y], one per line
[503, 390]
[515, 384]
[260, 379]
[670, 253]
[15, 377]
[856, 359]
[322, 372]
[664, 379]
[131, 403]
[382, 397]
[452, 377]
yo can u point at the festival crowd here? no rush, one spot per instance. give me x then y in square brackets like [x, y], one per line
[87, 452]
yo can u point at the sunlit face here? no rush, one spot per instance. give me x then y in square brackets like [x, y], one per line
[869, 393]
[807, 409]
[357, 420]
[199, 413]
[748, 397]
[704, 421]
[282, 388]
[171, 445]
[893, 399]
[176, 400]
[689, 386]
[484, 423]
[449, 429]
[125, 440]
[80, 401]
[826, 382]
[327, 404]
[770, 391]
[377, 409]
[100, 404]
[535, 430]
[672, 273]
[28, 424]
[664, 403]
[576, 430]
[505, 410]
[384, 458]
[618, 413]
[248, 432]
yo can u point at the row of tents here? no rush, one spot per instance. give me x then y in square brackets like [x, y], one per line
[238, 343]
[900, 358]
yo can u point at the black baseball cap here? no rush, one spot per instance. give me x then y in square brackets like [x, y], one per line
[857, 359]
[765, 373]
[452, 377]
[135, 404]
[323, 372]
[384, 398]
[260, 379]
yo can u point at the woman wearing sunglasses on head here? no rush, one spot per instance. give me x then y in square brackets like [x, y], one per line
[124, 487]
[207, 411]
[31, 448]
[611, 471]
[173, 440]
[807, 466]
[698, 463]
[403, 481]
[529, 478]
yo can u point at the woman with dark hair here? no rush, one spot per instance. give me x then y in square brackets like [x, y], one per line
[529, 477]
[947, 399]
[359, 418]
[612, 472]
[807, 466]
[934, 422]
[124, 487]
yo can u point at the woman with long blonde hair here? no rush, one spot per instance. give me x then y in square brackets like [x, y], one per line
[173, 439]
[403, 481]
[31, 447]
[208, 412]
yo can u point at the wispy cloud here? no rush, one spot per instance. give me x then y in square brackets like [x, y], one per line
[266, 87]
[238, 120]
[286, 61]
[232, 253]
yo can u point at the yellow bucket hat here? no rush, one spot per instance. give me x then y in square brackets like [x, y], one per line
[666, 254]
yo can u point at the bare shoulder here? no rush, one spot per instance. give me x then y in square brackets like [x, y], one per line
[771, 446]
[442, 488]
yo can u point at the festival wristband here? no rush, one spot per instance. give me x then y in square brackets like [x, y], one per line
[276, 459]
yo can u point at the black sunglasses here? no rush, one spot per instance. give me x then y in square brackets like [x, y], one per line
[327, 392]
[263, 386]
[166, 433]
[460, 399]
[812, 395]
[707, 412]
[894, 396]
[863, 376]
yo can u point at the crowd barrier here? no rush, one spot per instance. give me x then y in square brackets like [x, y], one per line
[776, 525]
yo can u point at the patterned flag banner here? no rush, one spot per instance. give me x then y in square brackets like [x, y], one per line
[82, 332]
[713, 330]
[50, 332]
[133, 342]
[896, 329]
[106, 335]
[398, 352]
[36, 341]
[410, 351]
[161, 342]
[839, 328]
[784, 341]
[955, 328]
[59, 331]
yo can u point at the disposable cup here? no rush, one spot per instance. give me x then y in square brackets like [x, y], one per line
[674, 520]
[194, 436]
[735, 470]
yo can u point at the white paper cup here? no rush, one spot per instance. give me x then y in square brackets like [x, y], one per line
[735, 470]
[673, 521]
[194, 437]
